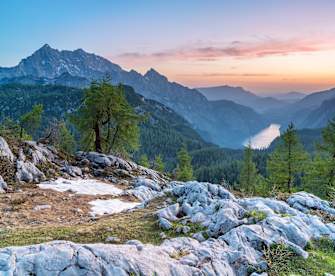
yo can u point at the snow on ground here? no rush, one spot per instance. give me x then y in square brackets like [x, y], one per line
[110, 206]
[81, 186]
[92, 187]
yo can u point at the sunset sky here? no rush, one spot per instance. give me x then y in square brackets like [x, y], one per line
[262, 45]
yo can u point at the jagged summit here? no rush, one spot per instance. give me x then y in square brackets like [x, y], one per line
[50, 63]
[152, 74]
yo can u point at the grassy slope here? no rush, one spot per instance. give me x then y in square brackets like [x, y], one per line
[321, 260]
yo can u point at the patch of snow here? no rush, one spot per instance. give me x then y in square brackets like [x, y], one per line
[111, 206]
[81, 186]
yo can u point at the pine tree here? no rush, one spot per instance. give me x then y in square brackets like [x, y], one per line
[184, 170]
[159, 164]
[320, 177]
[286, 164]
[144, 161]
[31, 121]
[248, 176]
[106, 121]
[65, 140]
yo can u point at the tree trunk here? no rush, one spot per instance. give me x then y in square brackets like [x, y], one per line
[97, 142]
[21, 132]
[114, 138]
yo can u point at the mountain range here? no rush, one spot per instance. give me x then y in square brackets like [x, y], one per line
[213, 121]
[290, 97]
[221, 115]
[241, 96]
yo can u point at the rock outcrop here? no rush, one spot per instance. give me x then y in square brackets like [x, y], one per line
[5, 151]
[3, 185]
[231, 243]
[223, 234]
[35, 161]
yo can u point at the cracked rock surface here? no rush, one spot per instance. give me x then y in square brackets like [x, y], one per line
[224, 235]
[230, 245]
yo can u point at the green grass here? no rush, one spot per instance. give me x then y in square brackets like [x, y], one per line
[257, 215]
[195, 227]
[283, 261]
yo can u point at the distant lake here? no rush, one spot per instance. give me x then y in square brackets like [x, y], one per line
[263, 139]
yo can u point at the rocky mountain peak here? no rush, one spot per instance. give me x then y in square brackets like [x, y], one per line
[152, 74]
[51, 63]
[46, 49]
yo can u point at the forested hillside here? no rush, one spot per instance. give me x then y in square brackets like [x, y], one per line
[163, 132]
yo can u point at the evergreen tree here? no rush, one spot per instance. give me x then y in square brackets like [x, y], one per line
[9, 128]
[248, 175]
[106, 121]
[159, 164]
[144, 161]
[320, 177]
[31, 121]
[184, 169]
[65, 140]
[286, 163]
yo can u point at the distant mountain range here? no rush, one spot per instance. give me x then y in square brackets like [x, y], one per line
[306, 111]
[313, 111]
[241, 96]
[289, 97]
[213, 121]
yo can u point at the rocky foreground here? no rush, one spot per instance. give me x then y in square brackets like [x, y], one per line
[219, 234]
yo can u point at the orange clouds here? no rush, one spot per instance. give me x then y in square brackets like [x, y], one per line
[262, 65]
[237, 49]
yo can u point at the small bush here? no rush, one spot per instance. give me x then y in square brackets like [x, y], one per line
[257, 215]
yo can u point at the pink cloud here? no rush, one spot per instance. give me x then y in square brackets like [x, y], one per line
[237, 49]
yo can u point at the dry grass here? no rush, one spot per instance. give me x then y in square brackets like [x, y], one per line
[139, 224]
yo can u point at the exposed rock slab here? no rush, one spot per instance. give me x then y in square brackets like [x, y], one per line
[5, 151]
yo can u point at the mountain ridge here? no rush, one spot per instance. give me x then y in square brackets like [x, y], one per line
[241, 96]
[48, 66]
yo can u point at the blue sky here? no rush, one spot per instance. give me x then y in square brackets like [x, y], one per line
[196, 42]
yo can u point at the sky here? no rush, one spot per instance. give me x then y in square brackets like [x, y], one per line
[265, 46]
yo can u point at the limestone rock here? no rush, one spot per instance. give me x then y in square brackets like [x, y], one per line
[164, 224]
[5, 151]
[28, 172]
[3, 185]
[170, 213]
[72, 170]
[304, 202]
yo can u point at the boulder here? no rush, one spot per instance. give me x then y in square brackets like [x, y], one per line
[170, 213]
[72, 170]
[5, 151]
[304, 202]
[164, 224]
[99, 159]
[143, 193]
[3, 185]
[67, 258]
[28, 172]
[142, 181]
[40, 153]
